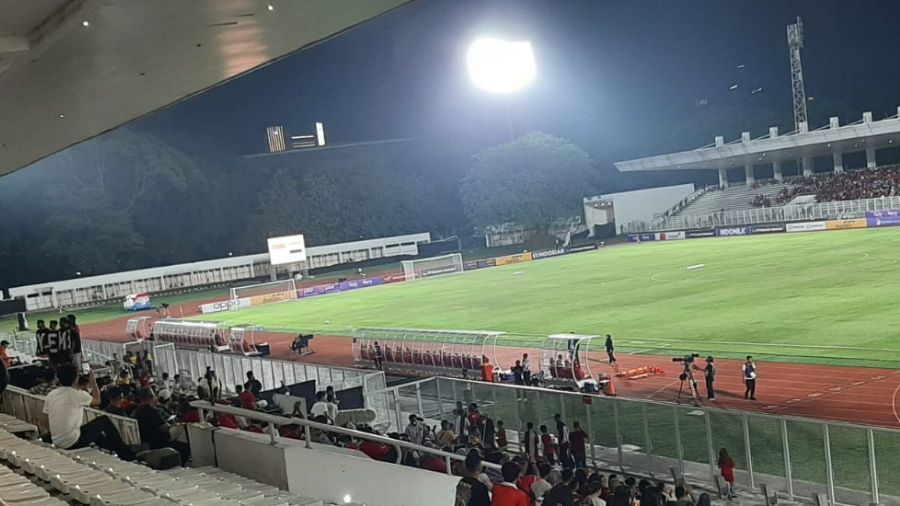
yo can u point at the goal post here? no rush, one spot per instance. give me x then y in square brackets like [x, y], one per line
[434, 266]
[273, 291]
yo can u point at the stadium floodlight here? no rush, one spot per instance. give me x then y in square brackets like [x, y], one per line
[501, 66]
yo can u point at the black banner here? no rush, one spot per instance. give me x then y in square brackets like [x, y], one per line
[471, 265]
[768, 228]
[547, 253]
[12, 306]
[576, 249]
[690, 234]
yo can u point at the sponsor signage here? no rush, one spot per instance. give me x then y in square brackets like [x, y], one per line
[732, 231]
[847, 224]
[547, 253]
[889, 218]
[269, 298]
[671, 236]
[771, 228]
[583, 247]
[692, 234]
[809, 226]
[438, 271]
[225, 305]
[479, 264]
[647, 236]
[343, 286]
[513, 259]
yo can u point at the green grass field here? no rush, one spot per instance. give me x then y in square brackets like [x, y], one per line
[814, 297]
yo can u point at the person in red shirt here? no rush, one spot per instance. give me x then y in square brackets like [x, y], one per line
[549, 446]
[507, 493]
[726, 465]
[374, 449]
[248, 400]
[502, 442]
[577, 440]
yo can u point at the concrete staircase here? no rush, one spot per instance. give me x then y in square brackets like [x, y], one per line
[733, 198]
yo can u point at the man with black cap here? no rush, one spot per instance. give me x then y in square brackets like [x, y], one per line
[415, 431]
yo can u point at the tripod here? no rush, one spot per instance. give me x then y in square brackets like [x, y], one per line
[688, 376]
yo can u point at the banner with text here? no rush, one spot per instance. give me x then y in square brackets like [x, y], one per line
[642, 237]
[471, 265]
[889, 218]
[769, 228]
[732, 231]
[514, 259]
[847, 224]
[671, 236]
[225, 305]
[547, 253]
[809, 226]
[693, 234]
[343, 286]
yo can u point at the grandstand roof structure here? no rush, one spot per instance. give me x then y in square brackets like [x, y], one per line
[834, 139]
[73, 69]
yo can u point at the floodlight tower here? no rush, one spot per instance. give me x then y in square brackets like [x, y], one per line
[795, 43]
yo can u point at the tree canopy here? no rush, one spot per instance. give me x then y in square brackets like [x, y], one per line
[531, 181]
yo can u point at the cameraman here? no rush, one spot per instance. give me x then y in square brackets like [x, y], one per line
[710, 373]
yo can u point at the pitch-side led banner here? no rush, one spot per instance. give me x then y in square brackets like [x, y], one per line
[731, 231]
[225, 305]
[809, 226]
[846, 224]
[768, 228]
[671, 236]
[514, 259]
[286, 250]
[889, 218]
[642, 237]
[269, 298]
[343, 286]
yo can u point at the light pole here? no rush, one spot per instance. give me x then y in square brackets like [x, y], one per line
[502, 67]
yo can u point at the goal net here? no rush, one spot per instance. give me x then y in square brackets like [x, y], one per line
[434, 266]
[263, 293]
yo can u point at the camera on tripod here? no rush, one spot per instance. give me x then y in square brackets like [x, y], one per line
[687, 359]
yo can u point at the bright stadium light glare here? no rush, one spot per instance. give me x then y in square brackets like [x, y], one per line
[501, 66]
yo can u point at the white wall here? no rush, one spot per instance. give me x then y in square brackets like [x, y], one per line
[638, 205]
[330, 476]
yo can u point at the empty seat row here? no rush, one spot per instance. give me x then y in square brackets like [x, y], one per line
[90, 476]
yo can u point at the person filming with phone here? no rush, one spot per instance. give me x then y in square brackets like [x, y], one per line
[64, 407]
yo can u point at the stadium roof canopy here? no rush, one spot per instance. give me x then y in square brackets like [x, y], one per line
[832, 140]
[72, 69]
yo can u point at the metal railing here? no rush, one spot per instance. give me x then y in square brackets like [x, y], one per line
[29, 407]
[797, 457]
[842, 209]
[308, 426]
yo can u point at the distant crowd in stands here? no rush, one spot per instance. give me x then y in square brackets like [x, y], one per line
[850, 185]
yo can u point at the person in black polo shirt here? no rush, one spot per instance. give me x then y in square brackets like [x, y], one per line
[253, 384]
[749, 370]
[153, 428]
[710, 374]
[471, 491]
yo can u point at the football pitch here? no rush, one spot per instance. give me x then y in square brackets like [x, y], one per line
[825, 297]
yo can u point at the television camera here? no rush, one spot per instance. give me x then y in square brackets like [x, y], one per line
[688, 376]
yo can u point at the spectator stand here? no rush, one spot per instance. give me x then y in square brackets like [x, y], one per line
[454, 353]
[199, 335]
[565, 361]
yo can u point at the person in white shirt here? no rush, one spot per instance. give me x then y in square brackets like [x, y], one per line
[64, 408]
[415, 431]
[320, 407]
[166, 383]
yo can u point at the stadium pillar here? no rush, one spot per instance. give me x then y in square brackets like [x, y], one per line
[723, 178]
[807, 166]
[776, 169]
[838, 156]
[748, 173]
[870, 158]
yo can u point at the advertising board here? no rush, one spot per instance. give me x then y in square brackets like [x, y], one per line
[808, 226]
[642, 237]
[889, 218]
[847, 224]
[769, 228]
[547, 253]
[513, 259]
[471, 265]
[225, 305]
[671, 236]
[693, 234]
[732, 231]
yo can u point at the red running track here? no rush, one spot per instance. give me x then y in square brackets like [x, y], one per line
[850, 394]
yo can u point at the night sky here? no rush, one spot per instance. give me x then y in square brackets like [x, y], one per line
[610, 74]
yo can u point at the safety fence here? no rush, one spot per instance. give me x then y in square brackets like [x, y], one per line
[804, 212]
[797, 457]
[29, 407]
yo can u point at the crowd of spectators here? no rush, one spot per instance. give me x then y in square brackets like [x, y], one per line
[851, 185]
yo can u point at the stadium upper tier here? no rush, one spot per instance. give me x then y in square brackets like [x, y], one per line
[773, 149]
[72, 69]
